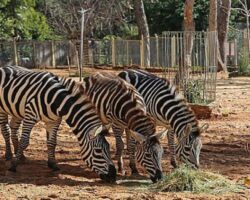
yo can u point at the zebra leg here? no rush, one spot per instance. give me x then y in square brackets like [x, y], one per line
[5, 129]
[14, 126]
[52, 129]
[131, 151]
[119, 148]
[171, 144]
[28, 124]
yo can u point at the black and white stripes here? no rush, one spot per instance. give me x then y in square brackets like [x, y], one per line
[166, 106]
[119, 104]
[33, 96]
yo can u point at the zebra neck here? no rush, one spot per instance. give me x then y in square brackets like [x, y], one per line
[79, 114]
[180, 130]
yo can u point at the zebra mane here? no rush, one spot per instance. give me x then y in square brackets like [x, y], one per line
[69, 84]
[119, 84]
[142, 74]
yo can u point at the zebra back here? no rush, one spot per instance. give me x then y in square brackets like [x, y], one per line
[118, 102]
[34, 96]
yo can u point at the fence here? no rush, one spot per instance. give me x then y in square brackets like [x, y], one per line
[34, 54]
[235, 46]
[187, 59]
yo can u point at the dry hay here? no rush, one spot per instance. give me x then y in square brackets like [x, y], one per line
[197, 181]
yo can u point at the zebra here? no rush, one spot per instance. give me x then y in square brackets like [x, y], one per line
[167, 107]
[30, 97]
[119, 104]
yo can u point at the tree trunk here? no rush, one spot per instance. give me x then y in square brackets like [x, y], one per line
[213, 27]
[142, 24]
[212, 16]
[189, 29]
[223, 22]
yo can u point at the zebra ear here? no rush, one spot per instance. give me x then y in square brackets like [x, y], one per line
[108, 126]
[82, 87]
[95, 132]
[187, 129]
[204, 127]
[138, 137]
[98, 130]
[160, 135]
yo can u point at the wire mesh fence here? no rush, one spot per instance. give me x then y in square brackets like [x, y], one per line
[188, 59]
[236, 47]
[37, 54]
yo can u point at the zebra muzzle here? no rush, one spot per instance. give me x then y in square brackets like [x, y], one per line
[158, 176]
[111, 176]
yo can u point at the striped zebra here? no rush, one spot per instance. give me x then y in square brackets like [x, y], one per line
[119, 104]
[167, 107]
[30, 97]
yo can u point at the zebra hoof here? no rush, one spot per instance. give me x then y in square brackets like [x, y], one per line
[13, 166]
[22, 158]
[8, 157]
[134, 172]
[53, 166]
[12, 169]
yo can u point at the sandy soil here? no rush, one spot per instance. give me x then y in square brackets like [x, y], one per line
[224, 151]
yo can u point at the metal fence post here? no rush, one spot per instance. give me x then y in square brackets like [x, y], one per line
[53, 54]
[142, 51]
[15, 52]
[173, 51]
[127, 53]
[235, 53]
[34, 53]
[157, 49]
[113, 51]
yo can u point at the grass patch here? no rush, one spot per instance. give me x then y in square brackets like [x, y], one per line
[197, 181]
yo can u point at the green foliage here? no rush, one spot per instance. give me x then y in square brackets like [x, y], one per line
[29, 18]
[19, 18]
[193, 91]
[164, 15]
[167, 15]
[197, 181]
[244, 63]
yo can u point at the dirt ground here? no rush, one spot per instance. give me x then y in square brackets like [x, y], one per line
[224, 151]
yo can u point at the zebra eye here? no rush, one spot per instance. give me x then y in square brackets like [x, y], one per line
[187, 148]
[148, 155]
[98, 150]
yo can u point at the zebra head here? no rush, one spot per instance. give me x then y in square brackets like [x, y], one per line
[99, 159]
[149, 154]
[189, 145]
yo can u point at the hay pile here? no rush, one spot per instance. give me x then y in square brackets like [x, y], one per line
[197, 181]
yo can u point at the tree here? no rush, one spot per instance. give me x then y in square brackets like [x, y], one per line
[19, 19]
[142, 24]
[189, 28]
[106, 17]
[169, 15]
[224, 10]
[212, 16]
[213, 27]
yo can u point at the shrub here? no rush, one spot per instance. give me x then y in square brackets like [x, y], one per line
[194, 91]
